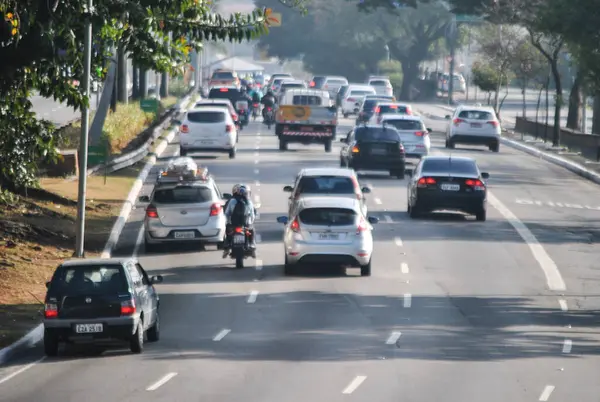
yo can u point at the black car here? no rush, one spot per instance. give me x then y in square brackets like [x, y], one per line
[374, 148]
[368, 109]
[102, 302]
[447, 183]
[233, 94]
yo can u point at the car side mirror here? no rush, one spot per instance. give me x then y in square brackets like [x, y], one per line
[227, 196]
[366, 190]
[156, 279]
[447, 117]
[144, 198]
[372, 220]
[282, 219]
[47, 285]
[485, 175]
[430, 130]
[288, 189]
[408, 172]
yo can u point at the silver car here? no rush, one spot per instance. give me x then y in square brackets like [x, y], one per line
[330, 230]
[413, 133]
[189, 210]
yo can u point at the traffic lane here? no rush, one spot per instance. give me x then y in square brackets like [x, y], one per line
[56, 112]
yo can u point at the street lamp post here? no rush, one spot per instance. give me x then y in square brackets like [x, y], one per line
[387, 52]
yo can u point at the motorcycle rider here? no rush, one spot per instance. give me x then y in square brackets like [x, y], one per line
[268, 100]
[256, 95]
[239, 211]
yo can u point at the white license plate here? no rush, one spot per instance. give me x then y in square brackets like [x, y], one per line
[88, 328]
[450, 187]
[239, 239]
[379, 151]
[476, 125]
[184, 235]
[207, 142]
[329, 236]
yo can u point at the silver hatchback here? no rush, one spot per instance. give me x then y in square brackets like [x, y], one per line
[413, 134]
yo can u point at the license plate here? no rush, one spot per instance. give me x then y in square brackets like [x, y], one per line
[328, 236]
[379, 151]
[307, 129]
[184, 235]
[476, 125]
[239, 239]
[206, 142]
[88, 328]
[450, 187]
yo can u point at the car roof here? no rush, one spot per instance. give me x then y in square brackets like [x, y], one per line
[329, 202]
[379, 78]
[360, 86]
[293, 82]
[392, 116]
[336, 77]
[210, 101]
[475, 108]
[210, 109]
[448, 157]
[96, 261]
[374, 126]
[393, 103]
[342, 172]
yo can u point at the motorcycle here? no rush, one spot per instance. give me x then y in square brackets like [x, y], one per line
[240, 245]
[242, 110]
[269, 117]
[255, 110]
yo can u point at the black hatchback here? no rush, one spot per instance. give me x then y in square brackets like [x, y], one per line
[374, 148]
[102, 302]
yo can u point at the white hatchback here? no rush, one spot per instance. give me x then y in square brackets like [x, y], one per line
[208, 129]
[382, 85]
[474, 125]
[354, 95]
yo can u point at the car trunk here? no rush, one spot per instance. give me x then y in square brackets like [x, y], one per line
[379, 148]
[328, 225]
[207, 124]
[451, 183]
[184, 214]
[90, 305]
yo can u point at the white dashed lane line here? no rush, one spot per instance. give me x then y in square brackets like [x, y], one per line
[161, 382]
[563, 305]
[567, 346]
[356, 382]
[546, 393]
[388, 218]
[404, 268]
[398, 241]
[222, 334]
[21, 370]
[256, 171]
[377, 201]
[407, 300]
[253, 296]
[259, 264]
[393, 339]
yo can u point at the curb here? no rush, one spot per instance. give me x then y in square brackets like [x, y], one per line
[29, 340]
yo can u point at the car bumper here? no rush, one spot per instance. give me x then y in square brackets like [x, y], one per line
[159, 234]
[207, 145]
[114, 329]
[377, 164]
[465, 202]
[353, 254]
[478, 139]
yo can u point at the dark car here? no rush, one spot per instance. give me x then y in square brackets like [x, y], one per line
[102, 302]
[233, 94]
[317, 81]
[368, 109]
[447, 183]
[374, 148]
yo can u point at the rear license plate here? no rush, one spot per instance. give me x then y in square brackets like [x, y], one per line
[329, 236]
[207, 142]
[88, 328]
[307, 129]
[450, 187]
[184, 235]
[377, 151]
[476, 125]
[239, 239]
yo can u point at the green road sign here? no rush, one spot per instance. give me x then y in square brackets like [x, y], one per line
[468, 18]
[149, 105]
[97, 154]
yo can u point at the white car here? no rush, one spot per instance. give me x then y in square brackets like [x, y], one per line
[413, 133]
[384, 108]
[382, 85]
[208, 129]
[328, 230]
[474, 125]
[355, 94]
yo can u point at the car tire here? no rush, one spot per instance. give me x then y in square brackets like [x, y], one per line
[413, 212]
[288, 269]
[495, 147]
[451, 144]
[283, 146]
[481, 215]
[343, 163]
[182, 151]
[136, 343]
[328, 146]
[232, 153]
[365, 270]
[153, 333]
[51, 344]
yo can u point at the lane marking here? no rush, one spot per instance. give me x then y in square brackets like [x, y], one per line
[256, 171]
[404, 268]
[567, 346]
[222, 334]
[563, 305]
[393, 338]
[21, 370]
[161, 382]
[257, 199]
[354, 384]
[398, 241]
[407, 300]
[258, 237]
[377, 201]
[257, 183]
[258, 265]
[253, 296]
[546, 393]
[257, 146]
[553, 277]
[388, 218]
[138, 242]
[256, 161]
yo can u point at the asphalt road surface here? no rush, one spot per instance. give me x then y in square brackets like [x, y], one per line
[455, 310]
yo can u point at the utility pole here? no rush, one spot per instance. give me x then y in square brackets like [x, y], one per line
[83, 142]
[452, 38]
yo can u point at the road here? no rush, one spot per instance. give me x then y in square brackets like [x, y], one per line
[456, 310]
[56, 112]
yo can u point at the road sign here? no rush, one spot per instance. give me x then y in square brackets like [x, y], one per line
[98, 154]
[274, 19]
[149, 105]
[468, 18]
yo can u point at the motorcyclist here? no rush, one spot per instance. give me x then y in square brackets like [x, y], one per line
[256, 95]
[245, 218]
[268, 100]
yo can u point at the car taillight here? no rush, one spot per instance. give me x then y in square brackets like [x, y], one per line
[215, 209]
[476, 184]
[128, 307]
[426, 181]
[362, 226]
[239, 230]
[151, 212]
[325, 86]
[377, 110]
[184, 129]
[493, 123]
[401, 148]
[50, 310]
[458, 121]
[234, 116]
[351, 100]
[421, 133]
[312, 84]
[269, 109]
[355, 150]
[409, 111]
[229, 128]
[295, 225]
[255, 105]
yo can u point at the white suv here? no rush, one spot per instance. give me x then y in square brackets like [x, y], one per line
[208, 129]
[382, 85]
[474, 125]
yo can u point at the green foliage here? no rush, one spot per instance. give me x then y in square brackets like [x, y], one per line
[392, 69]
[485, 77]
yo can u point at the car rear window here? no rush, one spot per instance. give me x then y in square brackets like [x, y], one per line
[224, 93]
[456, 166]
[223, 75]
[406, 124]
[326, 185]
[378, 82]
[370, 104]
[99, 279]
[182, 195]
[286, 86]
[318, 81]
[206, 117]
[333, 81]
[475, 115]
[306, 100]
[328, 216]
[376, 134]
[361, 92]
[392, 109]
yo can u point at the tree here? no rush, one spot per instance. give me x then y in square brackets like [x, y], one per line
[527, 65]
[485, 77]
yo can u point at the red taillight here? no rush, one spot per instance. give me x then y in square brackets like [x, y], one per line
[409, 111]
[184, 129]
[239, 230]
[269, 109]
[50, 310]
[493, 123]
[362, 226]
[476, 184]
[128, 307]
[401, 148]
[458, 121]
[355, 150]
[425, 181]
[229, 128]
[224, 90]
[255, 105]
[215, 209]
[351, 100]
[421, 133]
[377, 110]
[151, 212]
[295, 225]
[312, 84]
[234, 116]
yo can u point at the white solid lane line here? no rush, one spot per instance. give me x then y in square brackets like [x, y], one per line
[354, 384]
[258, 237]
[404, 268]
[407, 300]
[563, 305]
[259, 264]
[161, 382]
[253, 296]
[21, 370]
[567, 346]
[138, 242]
[377, 201]
[398, 241]
[222, 334]
[393, 338]
[388, 218]
[546, 393]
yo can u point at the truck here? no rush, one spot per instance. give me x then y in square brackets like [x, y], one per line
[306, 116]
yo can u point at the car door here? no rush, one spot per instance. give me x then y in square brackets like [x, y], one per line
[151, 292]
[141, 293]
[412, 185]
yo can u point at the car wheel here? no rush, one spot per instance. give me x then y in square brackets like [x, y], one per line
[283, 146]
[288, 269]
[328, 146]
[50, 344]
[365, 270]
[495, 147]
[481, 215]
[413, 212]
[450, 144]
[182, 151]
[232, 153]
[136, 343]
[154, 332]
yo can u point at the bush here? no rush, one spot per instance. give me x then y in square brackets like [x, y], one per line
[178, 88]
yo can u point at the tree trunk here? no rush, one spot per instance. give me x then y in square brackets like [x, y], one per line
[164, 85]
[596, 116]
[135, 90]
[575, 102]
[558, 105]
[410, 72]
[122, 93]
[143, 92]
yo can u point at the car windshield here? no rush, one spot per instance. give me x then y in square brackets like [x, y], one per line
[328, 216]
[182, 195]
[377, 134]
[224, 93]
[452, 166]
[326, 185]
[223, 75]
[378, 83]
[475, 115]
[99, 279]
[206, 117]
[336, 82]
[393, 109]
[412, 125]
[306, 100]
[360, 92]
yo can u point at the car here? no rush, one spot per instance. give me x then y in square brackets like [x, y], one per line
[330, 230]
[447, 183]
[185, 206]
[317, 81]
[277, 75]
[382, 85]
[367, 106]
[458, 83]
[229, 92]
[383, 108]
[413, 133]
[333, 83]
[208, 129]
[276, 86]
[103, 302]
[334, 182]
[355, 94]
[290, 84]
[474, 125]
[371, 147]
[218, 102]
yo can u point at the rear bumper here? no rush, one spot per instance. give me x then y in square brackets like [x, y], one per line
[377, 163]
[159, 234]
[475, 139]
[114, 329]
[470, 203]
[352, 254]
[306, 138]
